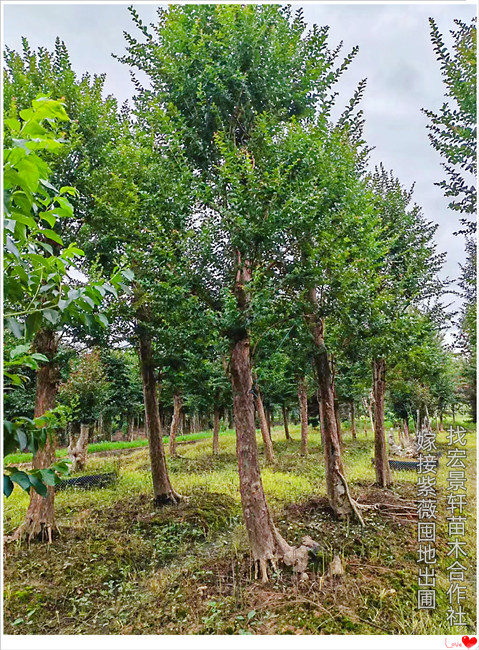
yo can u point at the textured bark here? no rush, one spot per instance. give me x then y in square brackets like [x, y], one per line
[286, 422]
[266, 543]
[268, 422]
[353, 420]
[303, 414]
[383, 472]
[40, 517]
[79, 451]
[162, 490]
[175, 422]
[216, 431]
[268, 445]
[321, 416]
[338, 494]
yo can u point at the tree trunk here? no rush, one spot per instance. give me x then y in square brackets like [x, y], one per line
[79, 453]
[303, 414]
[268, 422]
[130, 428]
[268, 445]
[266, 543]
[365, 425]
[216, 432]
[162, 490]
[353, 420]
[337, 489]
[40, 517]
[321, 416]
[383, 472]
[286, 423]
[175, 422]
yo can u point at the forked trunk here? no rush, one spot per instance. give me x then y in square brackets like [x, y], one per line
[337, 489]
[383, 472]
[40, 517]
[216, 432]
[162, 490]
[175, 422]
[268, 445]
[79, 452]
[303, 414]
[353, 420]
[286, 422]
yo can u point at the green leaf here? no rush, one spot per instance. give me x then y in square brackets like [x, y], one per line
[7, 485]
[38, 486]
[22, 479]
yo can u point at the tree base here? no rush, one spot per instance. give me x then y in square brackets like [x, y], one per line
[170, 499]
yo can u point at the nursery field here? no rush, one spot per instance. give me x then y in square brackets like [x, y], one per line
[122, 566]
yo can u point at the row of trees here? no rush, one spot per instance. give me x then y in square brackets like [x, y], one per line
[263, 254]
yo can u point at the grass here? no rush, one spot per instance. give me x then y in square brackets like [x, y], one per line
[109, 446]
[121, 566]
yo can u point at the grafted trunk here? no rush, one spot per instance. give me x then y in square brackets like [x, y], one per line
[353, 419]
[286, 422]
[175, 422]
[79, 452]
[268, 445]
[383, 472]
[303, 414]
[216, 432]
[162, 490]
[337, 489]
[40, 517]
[266, 543]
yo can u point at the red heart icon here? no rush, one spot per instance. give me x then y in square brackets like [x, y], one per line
[469, 641]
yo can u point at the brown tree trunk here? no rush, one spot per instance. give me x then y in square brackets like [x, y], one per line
[266, 543]
[337, 489]
[40, 517]
[303, 414]
[286, 422]
[365, 425]
[79, 452]
[383, 472]
[216, 432]
[130, 428]
[175, 422]
[268, 422]
[353, 420]
[321, 416]
[268, 445]
[162, 490]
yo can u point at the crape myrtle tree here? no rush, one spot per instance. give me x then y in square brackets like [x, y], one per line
[224, 69]
[142, 211]
[406, 279]
[453, 133]
[41, 297]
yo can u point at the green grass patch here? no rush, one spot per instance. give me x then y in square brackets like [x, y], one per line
[13, 459]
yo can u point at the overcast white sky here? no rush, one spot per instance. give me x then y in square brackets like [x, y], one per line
[395, 55]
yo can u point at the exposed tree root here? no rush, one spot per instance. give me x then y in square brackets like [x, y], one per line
[297, 557]
[352, 502]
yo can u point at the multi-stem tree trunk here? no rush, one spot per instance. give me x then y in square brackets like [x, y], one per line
[337, 489]
[79, 452]
[216, 432]
[353, 420]
[162, 490]
[175, 422]
[40, 518]
[303, 414]
[268, 445]
[383, 472]
[286, 422]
